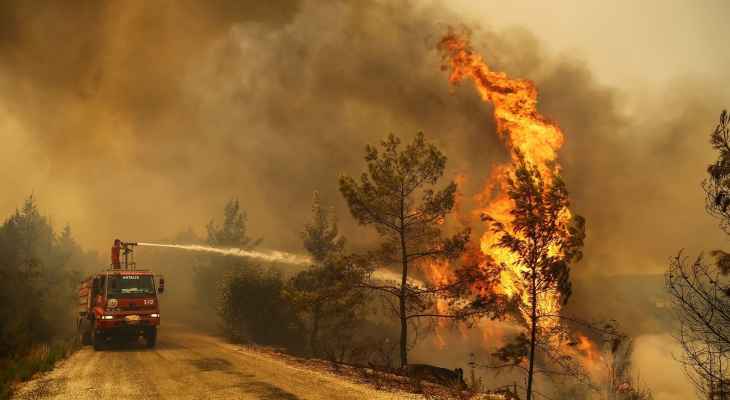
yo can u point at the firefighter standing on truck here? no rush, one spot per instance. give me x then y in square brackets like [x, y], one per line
[116, 249]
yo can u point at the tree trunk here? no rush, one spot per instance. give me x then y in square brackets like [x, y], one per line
[403, 316]
[315, 330]
[533, 334]
[403, 290]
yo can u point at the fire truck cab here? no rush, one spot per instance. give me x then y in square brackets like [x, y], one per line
[119, 302]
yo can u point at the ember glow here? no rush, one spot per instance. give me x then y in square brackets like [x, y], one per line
[588, 349]
[438, 273]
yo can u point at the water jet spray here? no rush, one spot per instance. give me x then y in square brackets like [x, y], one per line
[271, 255]
[380, 274]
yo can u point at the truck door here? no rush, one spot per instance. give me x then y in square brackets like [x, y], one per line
[98, 292]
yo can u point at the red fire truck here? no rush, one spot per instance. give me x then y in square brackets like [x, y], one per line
[119, 302]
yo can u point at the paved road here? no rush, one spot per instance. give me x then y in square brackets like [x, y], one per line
[187, 365]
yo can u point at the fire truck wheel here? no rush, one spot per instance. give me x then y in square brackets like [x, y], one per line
[84, 336]
[96, 340]
[151, 337]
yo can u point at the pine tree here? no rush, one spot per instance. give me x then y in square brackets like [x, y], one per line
[397, 196]
[544, 242]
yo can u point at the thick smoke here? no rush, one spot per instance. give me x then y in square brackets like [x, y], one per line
[138, 119]
[135, 120]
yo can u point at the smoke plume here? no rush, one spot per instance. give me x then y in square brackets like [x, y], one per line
[136, 120]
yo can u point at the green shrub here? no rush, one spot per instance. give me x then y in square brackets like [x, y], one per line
[254, 308]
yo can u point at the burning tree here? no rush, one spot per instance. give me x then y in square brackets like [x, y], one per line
[397, 197]
[533, 235]
[543, 239]
[700, 291]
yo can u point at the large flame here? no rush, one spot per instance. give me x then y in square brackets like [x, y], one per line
[514, 101]
[524, 131]
[438, 273]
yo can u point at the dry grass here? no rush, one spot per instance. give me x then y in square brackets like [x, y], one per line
[381, 379]
[40, 358]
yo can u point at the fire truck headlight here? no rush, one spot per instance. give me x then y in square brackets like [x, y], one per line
[107, 316]
[154, 315]
[111, 303]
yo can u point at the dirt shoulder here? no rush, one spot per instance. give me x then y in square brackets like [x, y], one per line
[189, 365]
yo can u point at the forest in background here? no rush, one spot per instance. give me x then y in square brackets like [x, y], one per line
[40, 268]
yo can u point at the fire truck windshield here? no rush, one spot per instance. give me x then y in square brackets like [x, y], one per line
[129, 285]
